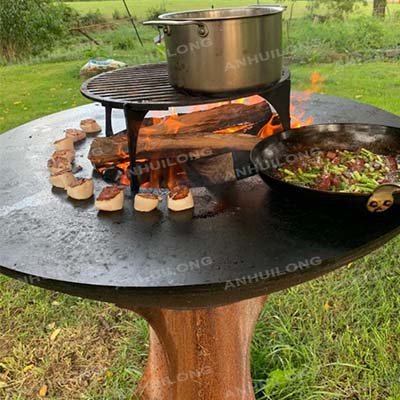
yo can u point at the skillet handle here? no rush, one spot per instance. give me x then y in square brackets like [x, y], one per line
[383, 197]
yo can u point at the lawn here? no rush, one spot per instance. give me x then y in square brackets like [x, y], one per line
[139, 7]
[28, 92]
[55, 86]
[331, 339]
[334, 338]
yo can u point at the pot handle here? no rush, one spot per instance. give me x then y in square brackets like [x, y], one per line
[166, 25]
[383, 197]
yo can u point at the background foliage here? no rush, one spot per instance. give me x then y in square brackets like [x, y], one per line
[27, 27]
[336, 8]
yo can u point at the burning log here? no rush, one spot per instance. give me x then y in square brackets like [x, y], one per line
[115, 149]
[240, 117]
[193, 132]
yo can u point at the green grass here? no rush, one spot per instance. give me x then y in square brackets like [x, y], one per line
[376, 83]
[333, 338]
[28, 92]
[336, 337]
[48, 88]
[140, 7]
[98, 352]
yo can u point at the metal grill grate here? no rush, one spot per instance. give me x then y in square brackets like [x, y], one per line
[147, 87]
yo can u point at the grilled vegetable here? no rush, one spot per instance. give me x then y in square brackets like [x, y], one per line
[340, 171]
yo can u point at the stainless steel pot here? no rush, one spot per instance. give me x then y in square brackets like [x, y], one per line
[223, 50]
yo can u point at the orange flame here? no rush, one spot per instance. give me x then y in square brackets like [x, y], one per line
[234, 129]
[316, 78]
[316, 82]
[173, 175]
[272, 127]
[124, 180]
[298, 111]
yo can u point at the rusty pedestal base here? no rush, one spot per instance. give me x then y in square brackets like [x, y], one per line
[200, 354]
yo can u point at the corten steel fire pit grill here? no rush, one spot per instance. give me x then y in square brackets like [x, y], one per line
[199, 282]
[145, 88]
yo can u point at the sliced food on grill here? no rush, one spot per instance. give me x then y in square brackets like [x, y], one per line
[68, 154]
[62, 179]
[58, 164]
[81, 189]
[180, 198]
[342, 171]
[90, 126]
[76, 135]
[110, 199]
[146, 202]
[64, 144]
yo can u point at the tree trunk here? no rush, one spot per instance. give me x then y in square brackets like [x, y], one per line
[380, 8]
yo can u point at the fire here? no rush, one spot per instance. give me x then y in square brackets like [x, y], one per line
[298, 110]
[171, 174]
[299, 100]
[157, 120]
[164, 175]
[234, 129]
[316, 78]
[272, 127]
[124, 180]
[154, 180]
[298, 115]
[172, 125]
[250, 101]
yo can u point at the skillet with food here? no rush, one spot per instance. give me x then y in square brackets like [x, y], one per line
[351, 164]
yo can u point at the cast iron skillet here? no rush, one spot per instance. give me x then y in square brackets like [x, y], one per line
[286, 146]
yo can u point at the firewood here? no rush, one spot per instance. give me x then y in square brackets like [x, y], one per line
[115, 149]
[218, 118]
[189, 132]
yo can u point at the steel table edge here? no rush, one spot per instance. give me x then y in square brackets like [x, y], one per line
[198, 296]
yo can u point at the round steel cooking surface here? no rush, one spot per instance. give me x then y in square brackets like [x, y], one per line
[259, 242]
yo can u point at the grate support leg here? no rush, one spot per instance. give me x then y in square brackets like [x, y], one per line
[134, 121]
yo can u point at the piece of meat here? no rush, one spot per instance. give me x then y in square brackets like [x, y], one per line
[391, 164]
[81, 189]
[336, 161]
[179, 192]
[336, 181]
[180, 198]
[325, 182]
[357, 165]
[110, 199]
[109, 192]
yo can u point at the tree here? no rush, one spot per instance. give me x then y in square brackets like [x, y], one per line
[380, 8]
[28, 27]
